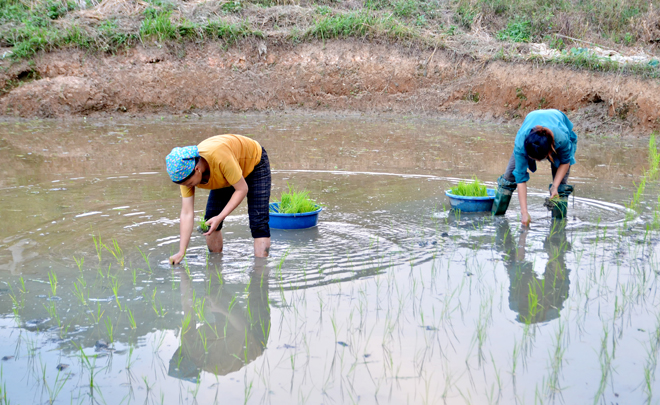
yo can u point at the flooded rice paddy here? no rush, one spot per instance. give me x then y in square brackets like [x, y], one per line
[391, 299]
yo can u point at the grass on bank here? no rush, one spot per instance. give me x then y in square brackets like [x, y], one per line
[39, 26]
[619, 21]
[475, 188]
[359, 24]
[296, 202]
[28, 27]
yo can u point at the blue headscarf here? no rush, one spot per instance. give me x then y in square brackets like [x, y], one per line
[181, 162]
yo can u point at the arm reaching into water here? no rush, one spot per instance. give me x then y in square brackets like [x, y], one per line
[522, 198]
[186, 225]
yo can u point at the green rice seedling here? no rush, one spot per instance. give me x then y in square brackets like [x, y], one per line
[157, 307]
[4, 400]
[654, 158]
[52, 312]
[23, 290]
[16, 306]
[202, 224]
[146, 259]
[146, 383]
[110, 328]
[158, 341]
[114, 283]
[203, 338]
[247, 392]
[131, 319]
[52, 278]
[98, 246]
[116, 252]
[648, 383]
[79, 263]
[96, 316]
[470, 189]
[129, 358]
[296, 202]
[64, 330]
[79, 292]
[185, 325]
[53, 391]
[90, 366]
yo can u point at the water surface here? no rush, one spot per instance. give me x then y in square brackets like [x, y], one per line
[391, 299]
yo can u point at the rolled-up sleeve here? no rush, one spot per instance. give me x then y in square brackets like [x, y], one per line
[520, 172]
[564, 151]
[566, 142]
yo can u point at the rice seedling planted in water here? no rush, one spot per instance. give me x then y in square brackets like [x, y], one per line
[296, 202]
[470, 189]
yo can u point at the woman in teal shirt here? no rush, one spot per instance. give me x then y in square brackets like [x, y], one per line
[545, 134]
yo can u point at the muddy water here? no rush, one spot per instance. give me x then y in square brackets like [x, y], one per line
[392, 298]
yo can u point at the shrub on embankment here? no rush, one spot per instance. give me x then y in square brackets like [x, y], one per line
[30, 26]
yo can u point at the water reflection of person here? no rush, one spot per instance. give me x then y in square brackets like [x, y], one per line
[535, 299]
[234, 330]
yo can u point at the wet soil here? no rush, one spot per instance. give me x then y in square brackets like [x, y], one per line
[332, 76]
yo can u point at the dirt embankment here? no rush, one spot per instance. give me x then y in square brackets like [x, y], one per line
[331, 76]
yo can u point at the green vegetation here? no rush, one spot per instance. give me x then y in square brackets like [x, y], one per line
[475, 188]
[650, 174]
[616, 21]
[569, 26]
[516, 31]
[29, 28]
[359, 24]
[296, 202]
[202, 224]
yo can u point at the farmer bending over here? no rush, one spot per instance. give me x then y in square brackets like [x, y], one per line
[545, 134]
[232, 167]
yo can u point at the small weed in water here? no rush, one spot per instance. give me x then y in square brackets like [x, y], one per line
[473, 189]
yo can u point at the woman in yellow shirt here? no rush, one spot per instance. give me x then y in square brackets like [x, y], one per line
[232, 167]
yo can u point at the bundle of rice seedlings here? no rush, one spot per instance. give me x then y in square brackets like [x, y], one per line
[296, 202]
[470, 189]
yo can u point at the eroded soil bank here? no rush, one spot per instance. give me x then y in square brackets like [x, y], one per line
[337, 75]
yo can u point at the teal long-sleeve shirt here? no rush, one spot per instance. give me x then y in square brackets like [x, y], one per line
[565, 140]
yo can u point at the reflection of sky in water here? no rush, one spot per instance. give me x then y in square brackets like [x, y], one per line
[391, 298]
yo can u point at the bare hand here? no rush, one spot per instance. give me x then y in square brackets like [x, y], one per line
[526, 219]
[177, 258]
[213, 224]
[553, 192]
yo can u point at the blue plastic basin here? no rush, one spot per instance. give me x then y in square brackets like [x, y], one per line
[292, 221]
[471, 204]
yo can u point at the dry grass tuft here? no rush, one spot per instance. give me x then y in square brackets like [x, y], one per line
[109, 8]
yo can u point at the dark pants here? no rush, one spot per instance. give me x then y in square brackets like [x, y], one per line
[508, 173]
[258, 197]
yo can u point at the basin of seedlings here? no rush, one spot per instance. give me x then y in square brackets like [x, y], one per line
[295, 210]
[471, 196]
